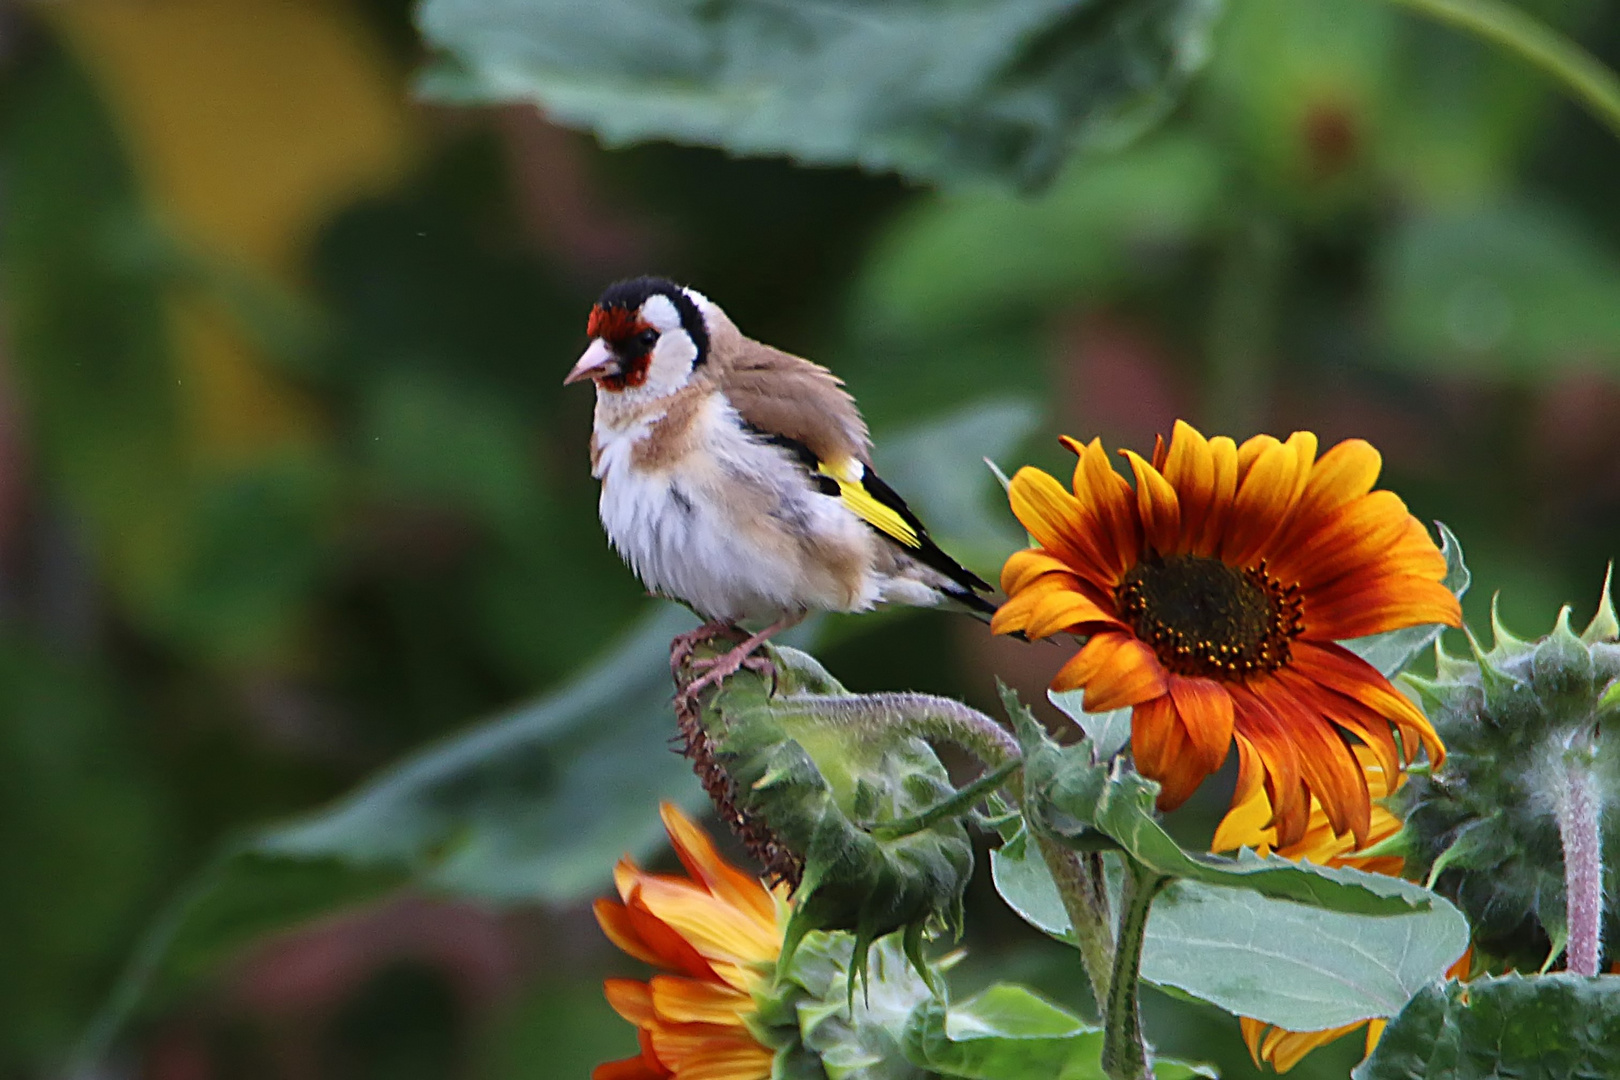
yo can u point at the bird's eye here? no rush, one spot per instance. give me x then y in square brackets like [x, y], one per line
[647, 339]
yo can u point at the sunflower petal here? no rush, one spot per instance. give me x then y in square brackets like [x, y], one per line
[1354, 536]
[1283, 1049]
[1376, 606]
[1023, 567]
[709, 925]
[1223, 456]
[1248, 822]
[1066, 611]
[614, 919]
[1060, 523]
[636, 1068]
[692, 1001]
[1266, 496]
[1206, 712]
[1343, 474]
[1330, 770]
[1257, 723]
[1163, 752]
[1189, 468]
[1156, 505]
[1113, 506]
[632, 1000]
[1116, 670]
[1339, 669]
[702, 860]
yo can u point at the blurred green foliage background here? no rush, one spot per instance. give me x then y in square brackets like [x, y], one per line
[290, 492]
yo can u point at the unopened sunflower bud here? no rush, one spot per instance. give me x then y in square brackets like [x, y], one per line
[821, 1031]
[818, 783]
[1513, 824]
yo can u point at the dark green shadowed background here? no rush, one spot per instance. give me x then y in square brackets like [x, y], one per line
[321, 694]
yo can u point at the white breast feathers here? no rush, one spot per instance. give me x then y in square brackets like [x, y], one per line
[729, 524]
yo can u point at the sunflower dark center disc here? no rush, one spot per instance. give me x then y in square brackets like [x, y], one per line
[1206, 618]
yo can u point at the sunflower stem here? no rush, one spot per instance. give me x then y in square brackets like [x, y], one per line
[1580, 816]
[1083, 887]
[1582, 75]
[954, 806]
[1124, 1055]
[940, 719]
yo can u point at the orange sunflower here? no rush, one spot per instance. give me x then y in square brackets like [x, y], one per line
[1246, 825]
[1213, 595]
[718, 932]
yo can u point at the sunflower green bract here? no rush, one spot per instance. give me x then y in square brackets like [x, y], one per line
[1534, 738]
[810, 783]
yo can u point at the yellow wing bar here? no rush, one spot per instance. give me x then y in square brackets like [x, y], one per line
[884, 518]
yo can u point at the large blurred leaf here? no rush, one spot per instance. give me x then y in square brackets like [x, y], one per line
[1000, 88]
[531, 806]
[1006, 1031]
[1509, 290]
[534, 806]
[1391, 651]
[1547, 1027]
[1300, 967]
[973, 258]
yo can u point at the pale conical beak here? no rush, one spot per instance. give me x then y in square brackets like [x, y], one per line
[597, 360]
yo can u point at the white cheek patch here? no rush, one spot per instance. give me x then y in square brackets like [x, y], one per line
[659, 312]
[672, 359]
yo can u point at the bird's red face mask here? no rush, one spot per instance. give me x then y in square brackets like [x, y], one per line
[620, 352]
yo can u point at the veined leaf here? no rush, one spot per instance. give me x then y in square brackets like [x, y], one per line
[1390, 652]
[1008, 1031]
[982, 88]
[1541, 1027]
[1094, 806]
[1300, 967]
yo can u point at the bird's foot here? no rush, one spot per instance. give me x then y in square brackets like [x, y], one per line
[722, 667]
[680, 648]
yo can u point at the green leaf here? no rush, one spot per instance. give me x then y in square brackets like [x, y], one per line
[1007, 1031]
[534, 806]
[1108, 732]
[1300, 967]
[992, 88]
[531, 806]
[840, 1037]
[1103, 805]
[1543, 1027]
[1390, 652]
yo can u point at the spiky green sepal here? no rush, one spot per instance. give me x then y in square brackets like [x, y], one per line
[1483, 826]
[820, 1033]
[810, 786]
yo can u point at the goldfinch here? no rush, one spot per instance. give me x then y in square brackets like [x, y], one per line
[737, 478]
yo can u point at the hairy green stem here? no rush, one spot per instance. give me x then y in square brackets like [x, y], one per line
[1080, 882]
[1581, 74]
[1124, 1054]
[1580, 817]
[938, 718]
[954, 806]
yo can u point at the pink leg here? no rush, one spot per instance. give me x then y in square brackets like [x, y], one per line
[727, 664]
[680, 648]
